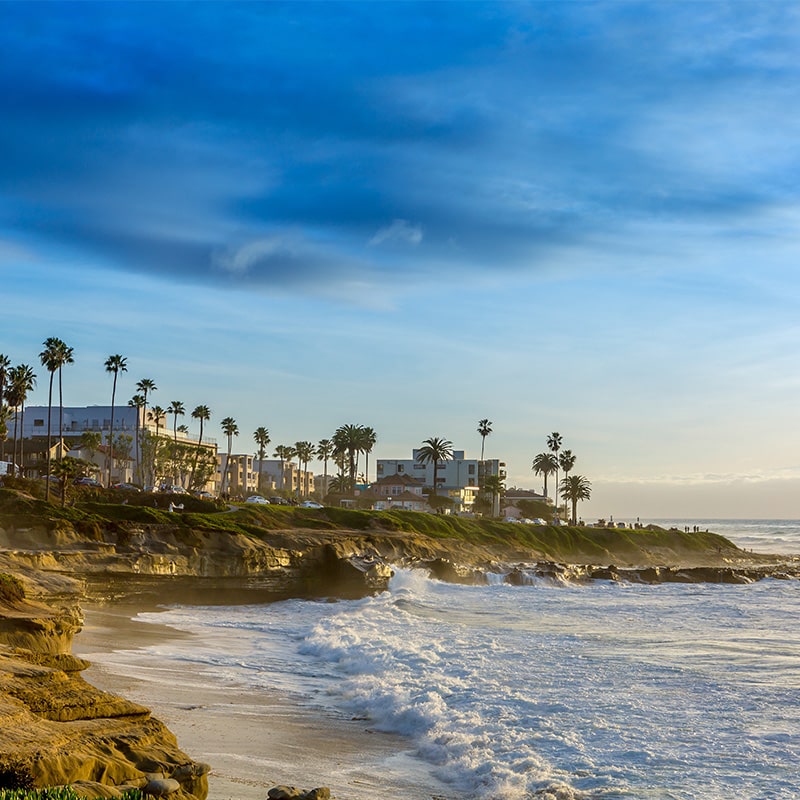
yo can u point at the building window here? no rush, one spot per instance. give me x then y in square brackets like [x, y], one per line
[380, 469]
[472, 481]
[471, 470]
[400, 469]
[38, 423]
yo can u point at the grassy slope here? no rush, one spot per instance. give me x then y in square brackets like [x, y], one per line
[90, 516]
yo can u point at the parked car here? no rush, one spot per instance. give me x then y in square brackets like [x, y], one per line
[279, 501]
[257, 499]
[127, 487]
[174, 490]
[311, 504]
[204, 495]
[85, 481]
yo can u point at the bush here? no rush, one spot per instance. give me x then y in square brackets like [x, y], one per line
[11, 590]
[55, 793]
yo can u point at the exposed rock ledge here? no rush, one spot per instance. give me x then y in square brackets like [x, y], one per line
[58, 729]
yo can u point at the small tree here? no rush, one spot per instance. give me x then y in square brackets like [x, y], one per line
[65, 469]
[575, 488]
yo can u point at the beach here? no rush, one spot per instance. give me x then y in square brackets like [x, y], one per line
[253, 739]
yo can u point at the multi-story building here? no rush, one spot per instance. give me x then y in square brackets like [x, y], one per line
[286, 476]
[237, 476]
[456, 473]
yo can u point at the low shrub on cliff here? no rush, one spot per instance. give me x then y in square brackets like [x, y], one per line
[57, 793]
[11, 590]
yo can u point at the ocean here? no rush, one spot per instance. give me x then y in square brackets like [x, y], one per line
[549, 690]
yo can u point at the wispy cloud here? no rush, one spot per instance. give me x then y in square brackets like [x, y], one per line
[399, 231]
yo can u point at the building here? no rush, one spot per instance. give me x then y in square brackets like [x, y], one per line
[242, 478]
[457, 473]
[78, 420]
[286, 476]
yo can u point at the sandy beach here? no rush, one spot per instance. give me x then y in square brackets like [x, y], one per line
[253, 740]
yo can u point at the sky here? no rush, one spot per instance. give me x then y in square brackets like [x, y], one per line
[560, 216]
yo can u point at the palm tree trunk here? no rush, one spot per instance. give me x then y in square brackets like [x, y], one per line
[49, 436]
[111, 431]
[60, 415]
[22, 441]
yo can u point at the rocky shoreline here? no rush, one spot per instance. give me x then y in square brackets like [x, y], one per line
[58, 729]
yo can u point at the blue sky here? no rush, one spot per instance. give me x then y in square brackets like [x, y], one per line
[566, 216]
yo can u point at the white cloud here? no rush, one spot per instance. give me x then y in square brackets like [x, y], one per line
[399, 231]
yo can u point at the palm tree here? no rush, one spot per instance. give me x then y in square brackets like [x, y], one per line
[65, 354]
[324, 452]
[554, 445]
[484, 429]
[157, 415]
[573, 489]
[284, 453]
[177, 409]
[115, 364]
[51, 361]
[495, 486]
[261, 436]
[230, 429]
[544, 464]
[137, 402]
[144, 387]
[368, 440]
[566, 460]
[304, 452]
[435, 450]
[65, 469]
[203, 414]
[22, 379]
[349, 440]
[5, 416]
[5, 366]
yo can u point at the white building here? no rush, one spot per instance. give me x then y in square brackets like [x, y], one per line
[457, 473]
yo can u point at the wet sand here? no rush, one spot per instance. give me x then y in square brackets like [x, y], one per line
[253, 740]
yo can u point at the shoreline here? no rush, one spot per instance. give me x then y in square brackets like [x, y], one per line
[253, 739]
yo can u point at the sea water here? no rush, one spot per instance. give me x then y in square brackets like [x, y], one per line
[601, 690]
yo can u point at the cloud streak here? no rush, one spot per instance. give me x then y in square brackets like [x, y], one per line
[273, 142]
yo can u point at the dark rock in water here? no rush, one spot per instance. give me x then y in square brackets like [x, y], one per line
[293, 793]
[608, 573]
[285, 793]
[443, 569]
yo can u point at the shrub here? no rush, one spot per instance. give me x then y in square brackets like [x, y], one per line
[11, 590]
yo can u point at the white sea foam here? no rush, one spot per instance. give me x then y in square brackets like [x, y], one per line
[603, 691]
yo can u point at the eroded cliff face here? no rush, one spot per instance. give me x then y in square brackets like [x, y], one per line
[55, 728]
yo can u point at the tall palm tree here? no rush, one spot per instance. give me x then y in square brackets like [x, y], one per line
[144, 387]
[177, 409]
[262, 439]
[544, 464]
[554, 445]
[284, 453]
[5, 366]
[51, 361]
[349, 440]
[324, 452]
[495, 486]
[435, 450]
[575, 488]
[5, 416]
[230, 429]
[157, 415]
[368, 440]
[66, 357]
[566, 460]
[21, 380]
[114, 364]
[484, 429]
[137, 402]
[304, 452]
[203, 414]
